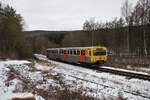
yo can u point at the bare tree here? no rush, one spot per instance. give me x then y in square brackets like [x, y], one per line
[115, 23]
[90, 25]
[126, 10]
[144, 7]
[136, 15]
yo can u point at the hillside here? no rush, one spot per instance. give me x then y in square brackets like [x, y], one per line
[45, 32]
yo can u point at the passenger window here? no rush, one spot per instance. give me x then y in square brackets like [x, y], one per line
[68, 51]
[64, 51]
[74, 52]
[89, 53]
[78, 52]
[83, 52]
[71, 52]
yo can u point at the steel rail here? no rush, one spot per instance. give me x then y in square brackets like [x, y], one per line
[125, 73]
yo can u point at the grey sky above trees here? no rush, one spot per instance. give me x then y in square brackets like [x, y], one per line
[65, 14]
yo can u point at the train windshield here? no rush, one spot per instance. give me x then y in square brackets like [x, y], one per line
[99, 52]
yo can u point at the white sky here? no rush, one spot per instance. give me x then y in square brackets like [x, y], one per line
[64, 14]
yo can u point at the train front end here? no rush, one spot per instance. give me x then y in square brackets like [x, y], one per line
[98, 55]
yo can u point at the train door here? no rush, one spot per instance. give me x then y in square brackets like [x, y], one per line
[65, 55]
[82, 56]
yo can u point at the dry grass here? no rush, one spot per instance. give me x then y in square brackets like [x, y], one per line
[131, 63]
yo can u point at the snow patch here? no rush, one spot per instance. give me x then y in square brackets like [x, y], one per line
[7, 88]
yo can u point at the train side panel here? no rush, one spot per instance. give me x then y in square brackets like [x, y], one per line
[90, 55]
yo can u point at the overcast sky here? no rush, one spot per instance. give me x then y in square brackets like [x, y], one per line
[64, 14]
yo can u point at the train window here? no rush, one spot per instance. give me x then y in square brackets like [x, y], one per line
[65, 51]
[99, 52]
[82, 52]
[68, 51]
[62, 51]
[78, 52]
[75, 52]
[89, 53]
[71, 52]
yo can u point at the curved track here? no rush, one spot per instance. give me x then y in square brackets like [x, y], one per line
[128, 74]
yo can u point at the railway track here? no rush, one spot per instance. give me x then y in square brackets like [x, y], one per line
[102, 69]
[106, 86]
[125, 73]
[128, 74]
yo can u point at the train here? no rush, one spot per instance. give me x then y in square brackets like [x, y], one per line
[94, 55]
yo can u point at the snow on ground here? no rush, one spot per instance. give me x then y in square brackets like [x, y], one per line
[49, 74]
[143, 69]
[40, 57]
[100, 83]
[8, 88]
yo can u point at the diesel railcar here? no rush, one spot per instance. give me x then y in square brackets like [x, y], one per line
[84, 55]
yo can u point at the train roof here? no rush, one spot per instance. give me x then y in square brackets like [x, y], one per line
[77, 47]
